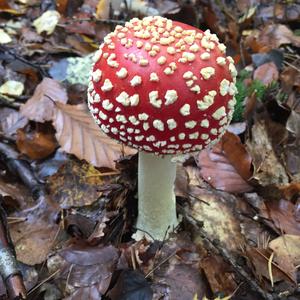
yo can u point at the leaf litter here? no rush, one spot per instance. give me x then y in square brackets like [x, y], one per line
[70, 192]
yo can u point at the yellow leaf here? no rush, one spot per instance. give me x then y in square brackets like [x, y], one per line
[47, 22]
[12, 88]
[102, 11]
[4, 37]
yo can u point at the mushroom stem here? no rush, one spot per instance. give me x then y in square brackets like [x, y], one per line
[156, 197]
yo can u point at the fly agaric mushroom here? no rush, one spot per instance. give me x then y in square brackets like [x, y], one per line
[164, 88]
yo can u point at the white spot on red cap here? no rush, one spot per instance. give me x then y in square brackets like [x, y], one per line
[154, 77]
[150, 138]
[188, 75]
[107, 86]
[154, 100]
[221, 61]
[122, 73]
[204, 123]
[207, 72]
[190, 124]
[204, 136]
[123, 98]
[134, 100]
[161, 60]
[205, 56]
[134, 120]
[97, 75]
[107, 105]
[159, 125]
[181, 136]
[219, 113]
[170, 96]
[224, 87]
[143, 117]
[194, 136]
[185, 109]
[136, 80]
[171, 124]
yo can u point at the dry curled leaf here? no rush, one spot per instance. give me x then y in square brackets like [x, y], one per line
[40, 107]
[78, 134]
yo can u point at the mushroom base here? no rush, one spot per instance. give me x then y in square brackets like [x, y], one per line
[156, 197]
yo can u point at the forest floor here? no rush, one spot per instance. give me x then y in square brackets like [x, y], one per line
[68, 192]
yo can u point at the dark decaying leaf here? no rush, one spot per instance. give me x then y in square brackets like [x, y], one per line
[33, 239]
[131, 285]
[219, 274]
[88, 269]
[11, 120]
[179, 273]
[268, 169]
[75, 184]
[218, 213]
[259, 259]
[275, 35]
[287, 248]
[283, 214]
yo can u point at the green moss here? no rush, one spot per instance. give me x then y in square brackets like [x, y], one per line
[245, 91]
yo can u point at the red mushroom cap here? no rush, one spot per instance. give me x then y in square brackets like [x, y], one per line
[162, 86]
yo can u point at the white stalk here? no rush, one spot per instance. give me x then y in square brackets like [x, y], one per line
[156, 197]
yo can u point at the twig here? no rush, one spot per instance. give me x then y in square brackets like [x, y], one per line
[9, 270]
[8, 103]
[21, 168]
[94, 19]
[42, 71]
[44, 281]
[160, 264]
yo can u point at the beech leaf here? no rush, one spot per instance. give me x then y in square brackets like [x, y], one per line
[77, 133]
[40, 107]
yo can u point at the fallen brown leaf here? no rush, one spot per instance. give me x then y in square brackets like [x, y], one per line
[259, 258]
[77, 133]
[287, 247]
[218, 213]
[11, 120]
[225, 164]
[88, 270]
[290, 77]
[36, 144]
[219, 274]
[282, 213]
[274, 35]
[41, 106]
[75, 184]
[237, 154]
[266, 73]
[268, 169]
